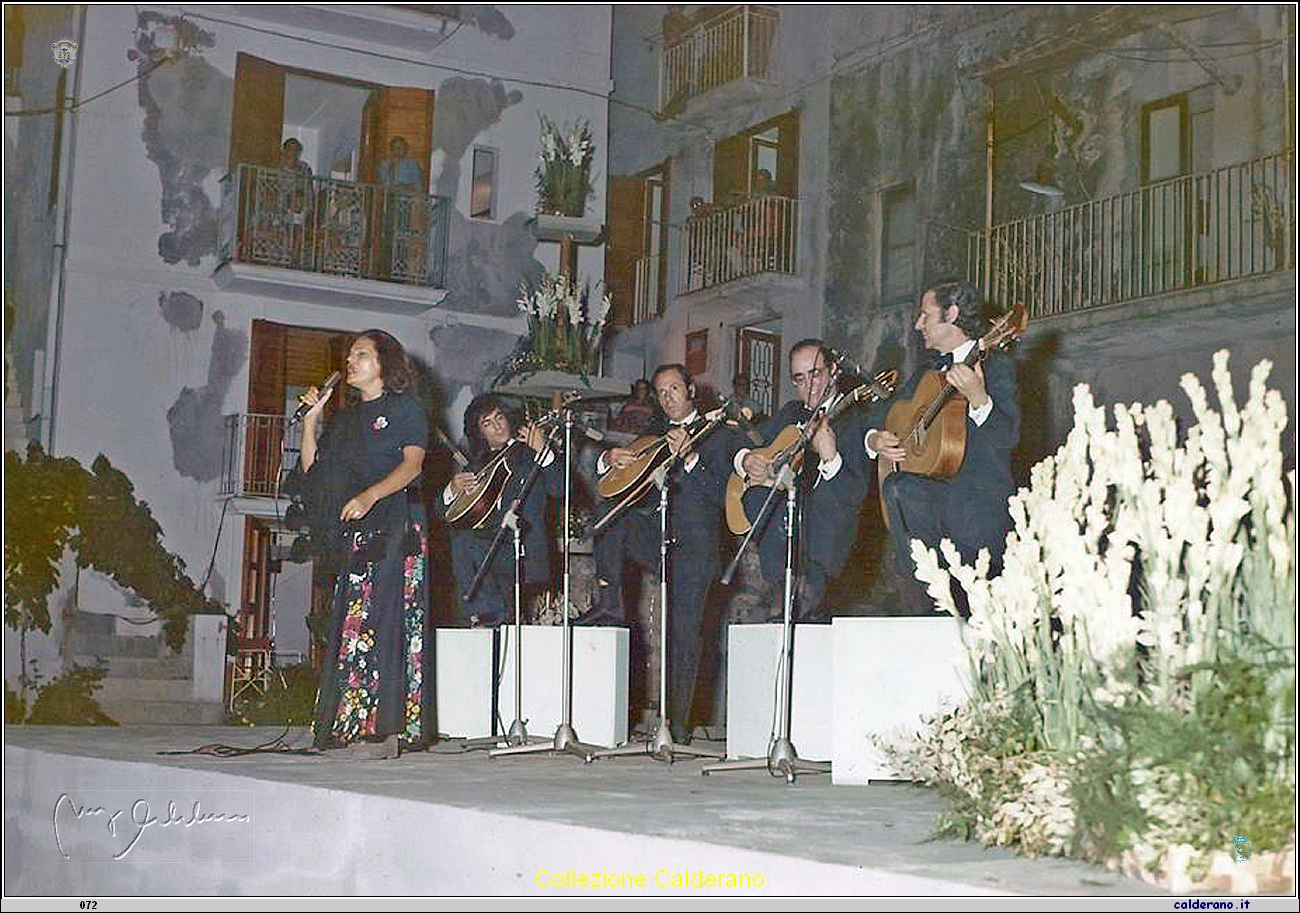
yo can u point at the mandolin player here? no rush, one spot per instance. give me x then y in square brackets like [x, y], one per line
[970, 507]
[697, 484]
[493, 432]
[833, 484]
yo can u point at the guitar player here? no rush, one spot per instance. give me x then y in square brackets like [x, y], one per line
[833, 484]
[698, 483]
[490, 426]
[970, 508]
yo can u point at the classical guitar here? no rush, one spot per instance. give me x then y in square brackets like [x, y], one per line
[648, 454]
[472, 507]
[931, 425]
[787, 448]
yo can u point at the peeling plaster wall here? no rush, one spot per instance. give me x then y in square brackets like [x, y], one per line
[155, 355]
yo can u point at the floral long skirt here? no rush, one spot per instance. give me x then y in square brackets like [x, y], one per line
[373, 682]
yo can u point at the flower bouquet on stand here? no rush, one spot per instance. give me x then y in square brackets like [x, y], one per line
[564, 169]
[566, 325]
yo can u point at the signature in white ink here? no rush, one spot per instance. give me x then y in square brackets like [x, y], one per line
[141, 818]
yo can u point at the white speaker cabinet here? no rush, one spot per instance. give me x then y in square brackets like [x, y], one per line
[886, 674]
[753, 659]
[600, 661]
[463, 681]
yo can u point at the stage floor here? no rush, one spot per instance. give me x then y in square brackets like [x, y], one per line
[453, 822]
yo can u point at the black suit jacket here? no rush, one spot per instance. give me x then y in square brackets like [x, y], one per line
[536, 534]
[977, 509]
[829, 507]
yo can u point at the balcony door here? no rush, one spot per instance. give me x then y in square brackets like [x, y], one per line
[636, 258]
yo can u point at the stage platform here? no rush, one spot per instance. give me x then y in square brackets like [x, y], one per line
[449, 822]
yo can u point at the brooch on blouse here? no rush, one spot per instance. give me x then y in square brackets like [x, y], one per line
[379, 424]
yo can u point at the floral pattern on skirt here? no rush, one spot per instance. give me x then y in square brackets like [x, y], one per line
[358, 673]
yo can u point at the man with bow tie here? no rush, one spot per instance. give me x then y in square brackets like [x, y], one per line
[971, 507]
[696, 494]
[832, 484]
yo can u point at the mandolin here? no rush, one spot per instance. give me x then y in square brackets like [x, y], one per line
[648, 454]
[472, 507]
[931, 426]
[787, 448]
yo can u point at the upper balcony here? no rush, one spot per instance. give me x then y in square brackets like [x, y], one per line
[732, 48]
[1192, 231]
[331, 241]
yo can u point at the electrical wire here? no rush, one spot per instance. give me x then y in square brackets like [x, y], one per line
[32, 112]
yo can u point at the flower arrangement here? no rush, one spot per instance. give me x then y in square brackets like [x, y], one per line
[565, 327]
[564, 169]
[1132, 670]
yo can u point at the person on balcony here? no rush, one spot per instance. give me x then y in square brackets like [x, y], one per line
[764, 228]
[402, 178]
[371, 699]
[295, 190]
[699, 270]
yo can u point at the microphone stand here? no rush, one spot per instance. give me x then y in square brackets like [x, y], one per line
[782, 759]
[518, 732]
[566, 739]
[662, 747]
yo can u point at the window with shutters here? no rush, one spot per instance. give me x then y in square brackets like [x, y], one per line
[637, 254]
[357, 208]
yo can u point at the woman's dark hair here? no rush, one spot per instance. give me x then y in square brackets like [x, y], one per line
[970, 306]
[481, 405]
[395, 366]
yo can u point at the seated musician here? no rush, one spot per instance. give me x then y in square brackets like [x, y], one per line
[832, 484]
[490, 427]
[697, 487]
[971, 507]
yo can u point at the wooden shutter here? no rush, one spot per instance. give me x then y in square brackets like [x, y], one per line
[266, 368]
[731, 170]
[626, 222]
[257, 116]
[397, 111]
[787, 155]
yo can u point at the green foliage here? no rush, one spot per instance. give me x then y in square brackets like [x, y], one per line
[290, 699]
[54, 503]
[67, 700]
[1132, 669]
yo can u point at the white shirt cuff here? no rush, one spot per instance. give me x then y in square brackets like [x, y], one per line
[981, 415]
[829, 469]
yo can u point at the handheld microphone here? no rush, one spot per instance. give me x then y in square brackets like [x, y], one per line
[303, 408]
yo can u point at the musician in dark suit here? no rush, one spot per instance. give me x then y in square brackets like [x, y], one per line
[697, 489]
[832, 483]
[490, 427]
[971, 507]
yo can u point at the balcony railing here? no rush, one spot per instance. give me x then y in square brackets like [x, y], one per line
[735, 45]
[647, 303]
[271, 217]
[1191, 231]
[757, 236]
[251, 457]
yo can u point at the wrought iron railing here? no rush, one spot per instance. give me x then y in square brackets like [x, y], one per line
[321, 225]
[256, 451]
[757, 236]
[1190, 231]
[734, 45]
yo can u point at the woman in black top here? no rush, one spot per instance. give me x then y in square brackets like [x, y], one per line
[373, 681]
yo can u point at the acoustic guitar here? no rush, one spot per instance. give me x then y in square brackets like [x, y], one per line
[931, 425]
[787, 448]
[648, 454]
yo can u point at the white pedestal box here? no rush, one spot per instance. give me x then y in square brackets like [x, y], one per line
[600, 658]
[753, 657]
[888, 673]
[463, 681]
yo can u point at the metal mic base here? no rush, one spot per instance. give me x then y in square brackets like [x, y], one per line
[565, 742]
[661, 748]
[781, 761]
